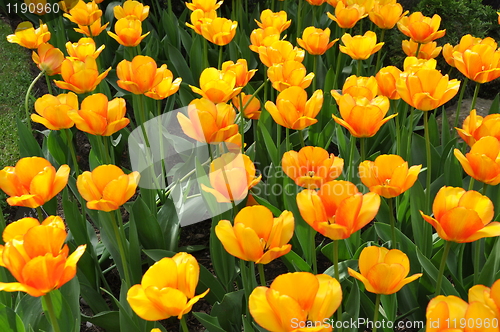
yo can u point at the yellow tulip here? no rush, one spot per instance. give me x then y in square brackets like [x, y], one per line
[280, 52]
[277, 20]
[219, 31]
[358, 87]
[386, 79]
[316, 2]
[217, 86]
[167, 86]
[466, 42]
[360, 47]
[128, 31]
[487, 296]
[140, 75]
[386, 15]
[252, 110]
[421, 29]
[289, 73]
[27, 36]
[198, 17]
[476, 127]
[316, 41]
[263, 37]
[131, 8]
[480, 63]
[347, 16]
[53, 111]
[93, 30]
[482, 162]
[84, 13]
[205, 5]
[85, 47]
[80, 76]
[49, 59]
[240, 69]
[427, 51]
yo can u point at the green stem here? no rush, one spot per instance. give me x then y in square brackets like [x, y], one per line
[121, 248]
[242, 124]
[315, 71]
[209, 146]
[418, 50]
[205, 53]
[429, 162]
[376, 311]
[474, 98]
[142, 119]
[105, 151]
[485, 187]
[476, 245]
[278, 142]
[49, 85]
[337, 67]
[299, 18]
[52, 314]
[460, 97]
[471, 183]
[39, 212]
[312, 239]
[410, 134]
[72, 152]
[254, 94]
[27, 99]
[398, 134]
[220, 58]
[379, 54]
[351, 159]
[393, 223]
[301, 137]
[184, 324]
[358, 72]
[262, 276]
[288, 139]
[439, 280]
[337, 274]
[362, 143]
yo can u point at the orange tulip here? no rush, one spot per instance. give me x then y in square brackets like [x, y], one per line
[360, 47]
[167, 86]
[307, 308]
[198, 17]
[338, 209]
[53, 111]
[256, 235]
[98, 116]
[128, 31]
[482, 162]
[427, 51]
[80, 76]
[217, 86]
[293, 110]
[311, 167]
[36, 256]
[94, 30]
[316, 2]
[386, 15]
[476, 127]
[462, 216]
[466, 42]
[26, 35]
[388, 175]
[131, 8]
[219, 31]
[334, 3]
[316, 41]
[280, 52]
[84, 13]
[48, 59]
[421, 29]
[85, 47]
[289, 73]
[411, 65]
[487, 296]
[386, 79]
[167, 288]
[263, 37]
[383, 271]
[239, 171]
[480, 63]
[366, 4]
[361, 116]
[107, 188]
[358, 87]
[277, 20]
[240, 70]
[426, 89]
[252, 110]
[347, 16]
[32, 182]
[139, 75]
[209, 122]
[205, 5]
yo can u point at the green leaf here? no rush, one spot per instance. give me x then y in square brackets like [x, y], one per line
[210, 323]
[10, 321]
[276, 212]
[492, 265]
[148, 228]
[343, 272]
[295, 263]
[353, 304]
[229, 311]
[169, 224]
[28, 146]
[180, 66]
[432, 272]
[270, 146]
[108, 320]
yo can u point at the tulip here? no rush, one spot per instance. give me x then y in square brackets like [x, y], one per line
[80, 76]
[167, 288]
[219, 31]
[388, 175]
[37, 6]
[128, 31]
[316, 41]
[67, 5]
[487, 296]
[53, 111]
[383, 271]
[32, 182]
[252, 110]
[480, 63]
[386, 15]
[347, 16]
[256, 235]
[140, 75]
[107, 188]
[421, 29]
[427, 51]
[85, 47]
[231, 177]
[48, 59]
[358, 87]
[277, 20]
[131, 8]
[366, 4]
[466, 42]
[289, 73]
[338, 209]
[84, 13]
[411, 65]
[263, 37]
[209, 122]
[205, 5]
[36, 256]
[334, 3]
[217, 86]
[361, 116]
[285, 303]
[98, 116]
[94, 30]
[311, 167]
[167, 86]
[482, 162]
[360, 47]
[198, 17]
[316, 2]
[461, 216]
[26, 35]
[475, 127]
[280, 52]
[240, 70]
[427, 89]
[293, 110]
[386, 79]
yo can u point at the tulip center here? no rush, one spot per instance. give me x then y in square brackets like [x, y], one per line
[310, 174]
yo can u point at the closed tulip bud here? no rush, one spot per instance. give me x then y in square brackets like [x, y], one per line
[32, 182]
[80, 76]
[131, 8]
[347, 16]
[476, 127]
[480, 63]
[49, 59]
[383, 271]
[427, 51]
[280, 52]
[289, 73]
[310, 306]
[217, 86]
[293, 110]
[39, 266]
[128, 32]
[256, 235]
[263, 37]
[205, 5]
[386, 15]
[107, 188]
[386, 79]
[84, 13]
[338, 209]
[311, 167]
[231, 177]
[240, 70]
[358, 87]
[360, 47]
[27, 36]
[421, 29]
[462, 216]
[167, 288]
[361, 116]
[251, 110]
[198, 17]
[85, 47]
[139, 75]
[219, 31]
[482, 162]
[388, 176]
[94, 30]
[277, 20]
[53, 111]
[316, 41]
